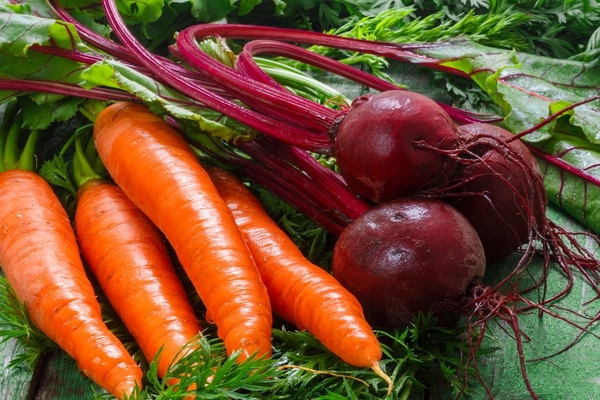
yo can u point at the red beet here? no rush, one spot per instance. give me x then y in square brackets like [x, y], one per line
[501, 189]
[377, 144]
[406, 256]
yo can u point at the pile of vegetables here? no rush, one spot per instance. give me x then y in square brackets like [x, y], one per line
[418, 196]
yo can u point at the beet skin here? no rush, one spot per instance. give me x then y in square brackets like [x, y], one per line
[376, 144]
[408, 255]
[502, 191]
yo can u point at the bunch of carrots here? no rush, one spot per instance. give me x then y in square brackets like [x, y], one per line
[242, 265]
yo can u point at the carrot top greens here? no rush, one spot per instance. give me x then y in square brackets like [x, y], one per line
[300, 367]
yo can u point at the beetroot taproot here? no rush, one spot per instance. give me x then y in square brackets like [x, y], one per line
[377, 144]
[499, 188]
[407, 256]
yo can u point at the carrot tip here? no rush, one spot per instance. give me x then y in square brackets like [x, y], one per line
[377, 369]
[315, 371]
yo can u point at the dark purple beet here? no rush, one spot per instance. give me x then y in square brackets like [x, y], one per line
[504, 197]
[376, 144]
[408, 255]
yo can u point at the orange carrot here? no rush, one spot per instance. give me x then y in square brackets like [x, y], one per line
[301, 292]
[41, 260]
[128, 256]
[160, 173]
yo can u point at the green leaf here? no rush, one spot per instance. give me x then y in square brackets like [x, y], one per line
[140, 11]
[39, 8]
[20, 31]
[526, 86]
[212, 10]
[88, 20]
[577, 197]
[48, 109]
[41, 66]
[245, 6]
[56, 172]
[162, 99]
[15, 323]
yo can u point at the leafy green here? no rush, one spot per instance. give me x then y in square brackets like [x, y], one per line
[525, 87]
[395, 25]
[577, 197]
[553, 28]
[20, 31]
[301, 368]
[16, 324]
[19, 63]
[160, 98]
[530, 88]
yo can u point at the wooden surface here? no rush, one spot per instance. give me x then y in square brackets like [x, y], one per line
[55, 377]
[14, 383]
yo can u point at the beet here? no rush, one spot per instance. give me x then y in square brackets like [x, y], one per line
[501, 189]
[376, 144]
[407, 256]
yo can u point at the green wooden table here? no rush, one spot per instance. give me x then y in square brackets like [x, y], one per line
[55, 377]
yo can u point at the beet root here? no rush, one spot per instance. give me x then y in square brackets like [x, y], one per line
[407, 256]
[500, 189]
[376, 146]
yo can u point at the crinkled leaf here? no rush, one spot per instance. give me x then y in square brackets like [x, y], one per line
[245, 6]
[20, 31]
[579, 198]
[42, 110]
[162, 99]
[529, 88]
[143, 12]
[134, 11]
[526, 86]
[92, 7]
[89, 20]
[217, 48]
[212, 10]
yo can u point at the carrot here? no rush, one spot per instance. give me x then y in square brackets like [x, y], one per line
[40, 257]
[300, 291]
[160, 173]
[128, 256]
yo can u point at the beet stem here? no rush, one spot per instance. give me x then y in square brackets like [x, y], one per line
[287, 133]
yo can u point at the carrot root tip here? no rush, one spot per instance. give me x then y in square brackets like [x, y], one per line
[377, 369]
[316, 371]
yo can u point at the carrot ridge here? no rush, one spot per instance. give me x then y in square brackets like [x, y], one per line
[40, 258]
[159, 172]
[130, 259]
[301, 292]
